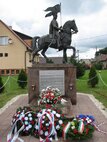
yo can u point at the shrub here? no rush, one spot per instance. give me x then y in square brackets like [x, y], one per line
[99, 66]
[1, 85]
[93, 78]
[22, 79]
[80, 67]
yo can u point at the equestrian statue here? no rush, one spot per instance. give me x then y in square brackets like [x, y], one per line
[58, 38]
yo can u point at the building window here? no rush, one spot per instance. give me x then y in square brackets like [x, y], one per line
[12, 71]
[2, 72]
[17, 71]
[7, 71]
[3, 40]
[1, 54]
[6, 54]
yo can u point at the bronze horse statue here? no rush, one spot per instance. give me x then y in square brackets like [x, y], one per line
[44, 42]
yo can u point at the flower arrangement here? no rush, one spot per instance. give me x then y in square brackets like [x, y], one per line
[48, 124]
[81, 127]
[24, 118]
[50, 96]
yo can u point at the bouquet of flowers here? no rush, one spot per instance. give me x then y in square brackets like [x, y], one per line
[50, 96]
[24, 120]
[81, 127]
[49, 122]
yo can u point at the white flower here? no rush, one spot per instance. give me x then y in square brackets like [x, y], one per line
[58, 115]
[30, 126]
[39, 115]
[47, 124]
[26, 122]
[48, 109]
[26, 118]
[60, 122]
[36, 127]
[29, 114]
[46, 133]
[57, 127]
[50, 139]
[27, 128]
[41, 132]
[30, 118]
[54, 112]
[43, 117]
[73, 127]
[43, 122]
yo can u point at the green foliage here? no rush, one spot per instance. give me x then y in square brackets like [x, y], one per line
[1, 85]
[102, 51]
[22, 79]
[80, 67]
[98, 66]
[93, 78]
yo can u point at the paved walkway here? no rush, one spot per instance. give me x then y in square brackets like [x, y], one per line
[85, 105]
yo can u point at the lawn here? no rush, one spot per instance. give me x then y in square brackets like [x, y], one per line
[100, 91]
[11, 89]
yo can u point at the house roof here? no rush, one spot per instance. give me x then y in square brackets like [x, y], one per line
[22, 36]
[102, 57]
[27, 46]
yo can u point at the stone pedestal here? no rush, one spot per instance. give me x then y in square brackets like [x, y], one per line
[62, 76]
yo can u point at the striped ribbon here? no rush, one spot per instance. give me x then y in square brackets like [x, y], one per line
[13, 137]
[66, 129]
[81, 127]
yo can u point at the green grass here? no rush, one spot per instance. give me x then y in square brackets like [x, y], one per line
[100, 91]
[11, 89]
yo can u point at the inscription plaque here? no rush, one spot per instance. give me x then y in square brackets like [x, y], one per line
[54, 78]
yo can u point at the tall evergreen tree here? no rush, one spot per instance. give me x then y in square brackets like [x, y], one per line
[93, 78]
[22, 79]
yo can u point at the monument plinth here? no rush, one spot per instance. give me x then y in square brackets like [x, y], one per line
[61, 76]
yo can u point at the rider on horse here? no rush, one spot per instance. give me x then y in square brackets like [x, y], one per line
[54, 30]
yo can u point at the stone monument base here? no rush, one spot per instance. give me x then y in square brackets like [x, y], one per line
[61, 76]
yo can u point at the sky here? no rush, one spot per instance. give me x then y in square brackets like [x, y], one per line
[28, 17]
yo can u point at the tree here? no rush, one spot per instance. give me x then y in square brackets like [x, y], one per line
[22, 79]
[93, 78]
[101, 51]
[98, 66]
[1, 85]
[80, 67]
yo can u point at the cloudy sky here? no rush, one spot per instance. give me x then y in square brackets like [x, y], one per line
[28, 16]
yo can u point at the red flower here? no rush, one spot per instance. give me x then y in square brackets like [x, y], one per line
[75, 131]
[63, 125]
[87, 130]
[32, 122]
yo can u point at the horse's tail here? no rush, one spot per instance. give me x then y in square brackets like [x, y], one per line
[34, 41]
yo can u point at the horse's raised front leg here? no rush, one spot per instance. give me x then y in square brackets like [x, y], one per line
[74, 50]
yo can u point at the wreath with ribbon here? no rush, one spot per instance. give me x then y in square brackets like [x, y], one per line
[49, 124]
[50, 96]
[80, 127]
